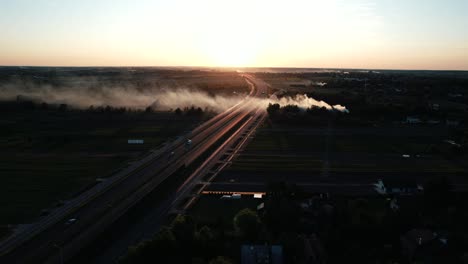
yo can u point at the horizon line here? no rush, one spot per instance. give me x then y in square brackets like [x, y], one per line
[233, 67]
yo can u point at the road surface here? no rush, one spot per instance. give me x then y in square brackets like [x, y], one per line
[148, 222]
[54, 239]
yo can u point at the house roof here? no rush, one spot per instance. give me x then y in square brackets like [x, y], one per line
[254, 254]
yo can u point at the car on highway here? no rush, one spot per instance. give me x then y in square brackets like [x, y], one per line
[188, 144]
[170, 156]
[71, 221]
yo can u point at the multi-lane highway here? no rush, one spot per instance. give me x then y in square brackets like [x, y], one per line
[56, 239]
[180, 197]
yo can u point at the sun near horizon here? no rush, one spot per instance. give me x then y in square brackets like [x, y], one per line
[373, 34]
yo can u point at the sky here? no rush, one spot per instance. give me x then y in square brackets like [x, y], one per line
[370, 34]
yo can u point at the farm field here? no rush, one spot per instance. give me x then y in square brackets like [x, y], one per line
[50, 152]
[301, 154]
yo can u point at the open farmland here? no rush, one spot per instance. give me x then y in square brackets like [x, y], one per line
[302, 155]
[372, 142]
[50, 151]
[49, 155]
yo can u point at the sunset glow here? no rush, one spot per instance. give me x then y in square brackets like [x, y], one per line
[299, 33]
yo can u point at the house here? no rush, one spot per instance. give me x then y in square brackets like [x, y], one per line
[379, 187]
[264, 254]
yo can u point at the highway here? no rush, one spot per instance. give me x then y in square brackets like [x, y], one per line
[54, 240]
[148, 222]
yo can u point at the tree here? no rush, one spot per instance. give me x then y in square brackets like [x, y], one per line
[273, 109]
[291, 109]
[149, 109]
[281, 210]
[205, 242]
[183, 228]
[162, 247]
[178, 111]
[63, 107]
[45, 106]
[204, 236]
[247, 223]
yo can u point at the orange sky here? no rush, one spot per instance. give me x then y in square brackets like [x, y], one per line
[298, 33]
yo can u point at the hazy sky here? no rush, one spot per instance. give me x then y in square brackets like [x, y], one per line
[397, 34]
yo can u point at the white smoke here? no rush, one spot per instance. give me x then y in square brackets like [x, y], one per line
[340, 108]
[302, 101]
[159, 99]
[86, 96]
[180, 98]
[77, 96]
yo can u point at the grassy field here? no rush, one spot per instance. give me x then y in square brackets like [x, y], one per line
[284, 150]
[31, 182]
[51, 155]
[364, 145]
[277, 164]
[390, 139]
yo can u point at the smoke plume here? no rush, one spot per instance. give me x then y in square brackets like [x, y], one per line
[84, 96]
[304, 102]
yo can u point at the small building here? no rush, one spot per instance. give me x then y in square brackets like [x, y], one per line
[265, 254]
